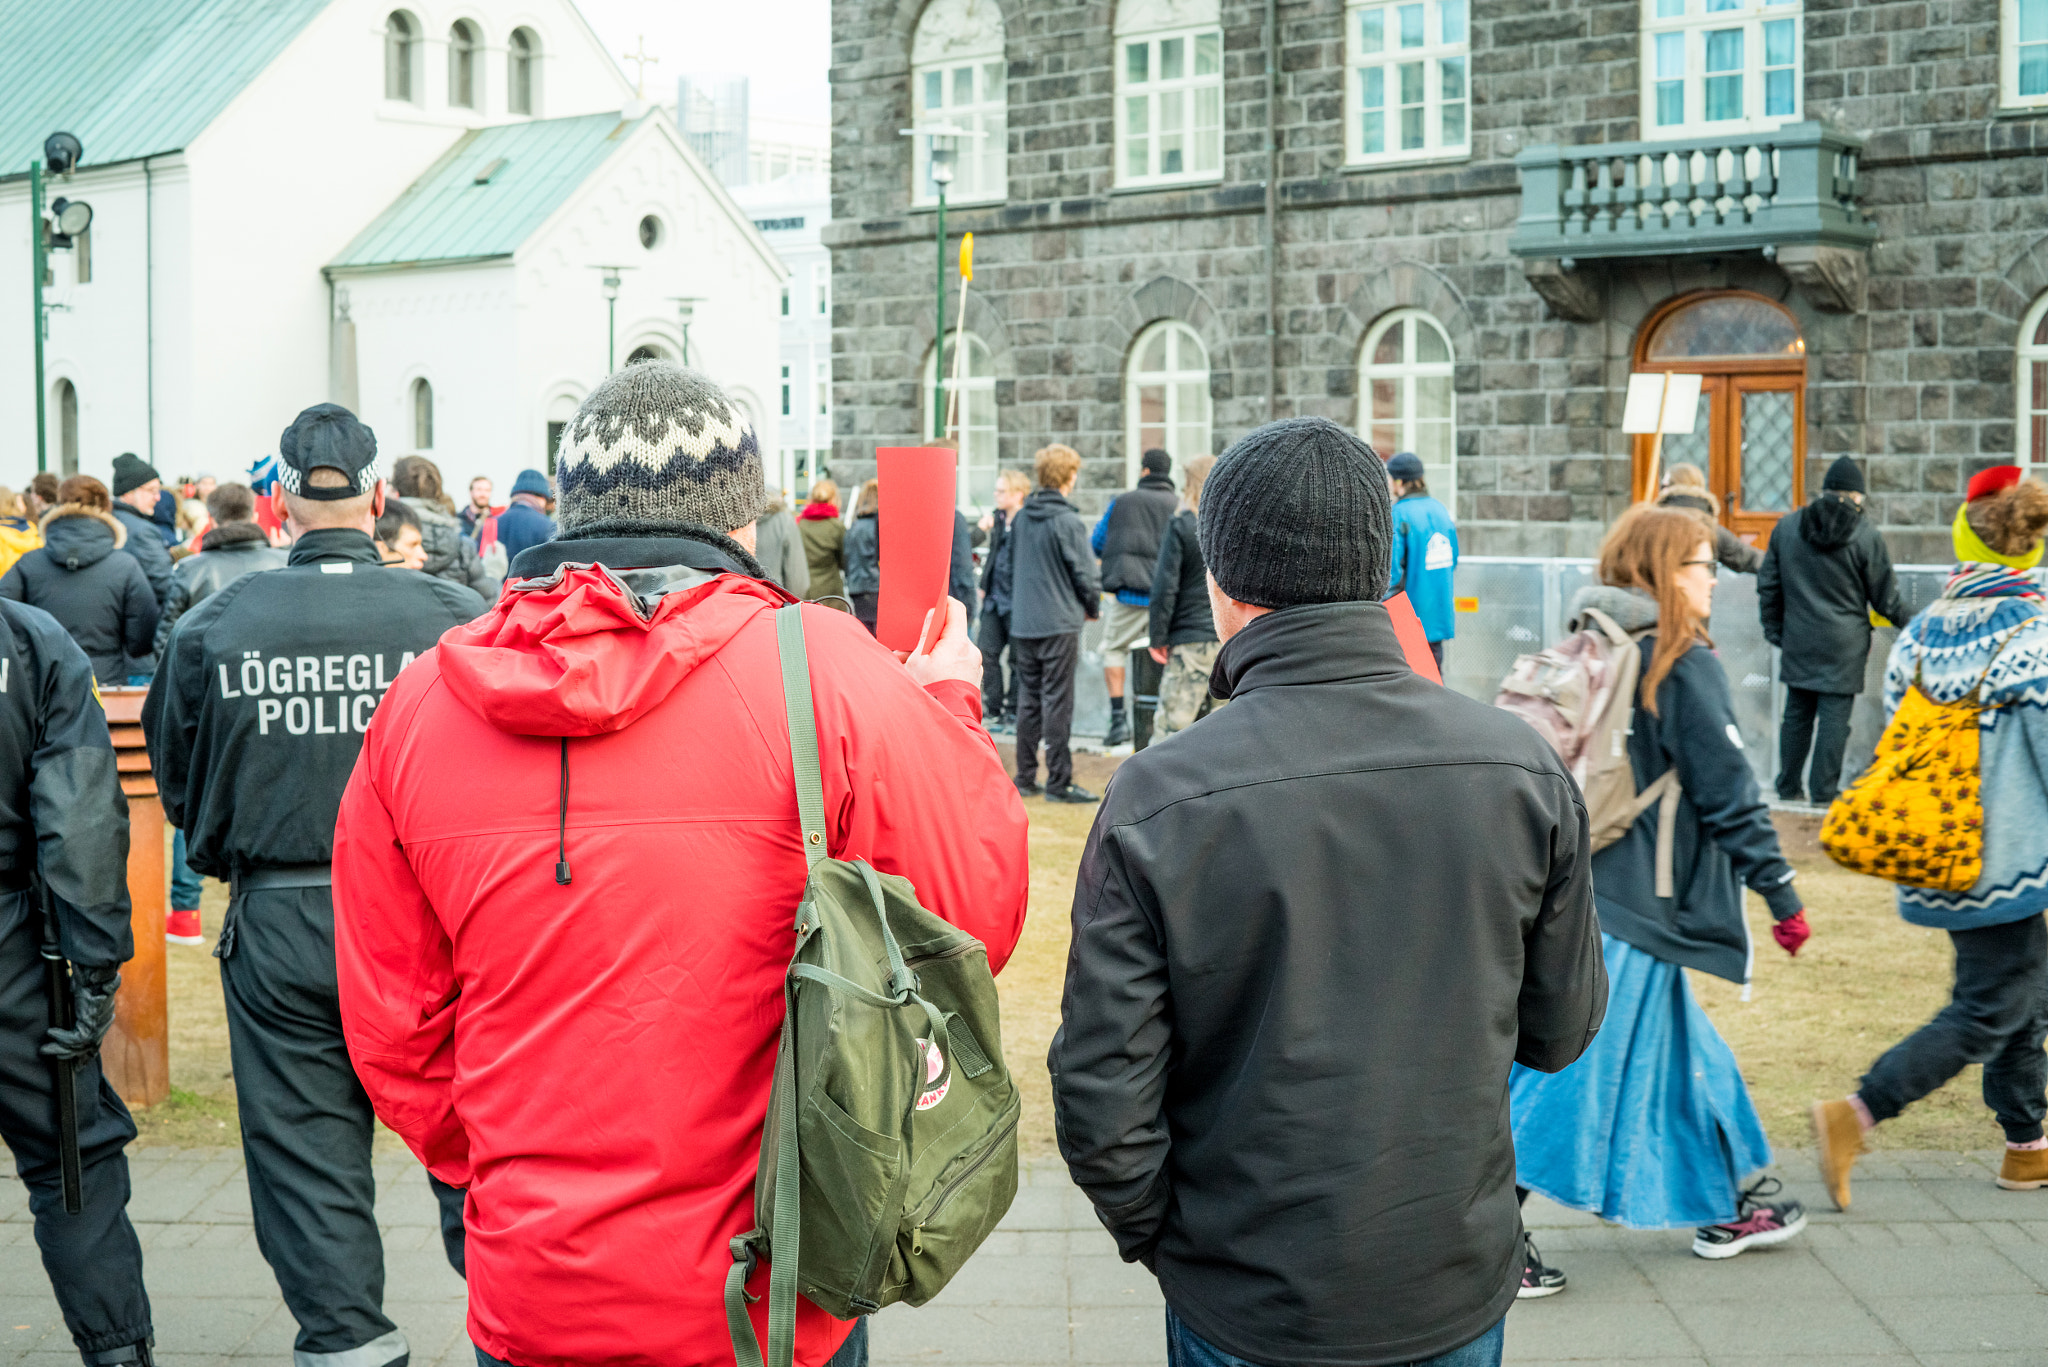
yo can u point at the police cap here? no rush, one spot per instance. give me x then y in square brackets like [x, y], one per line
[327, 436]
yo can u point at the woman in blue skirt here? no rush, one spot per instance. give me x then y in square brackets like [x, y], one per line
[1653, 1128]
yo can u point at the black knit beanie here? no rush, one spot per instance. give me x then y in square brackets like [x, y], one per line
[1846, 475]
[1298, 512]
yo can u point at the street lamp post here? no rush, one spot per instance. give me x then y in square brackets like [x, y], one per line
[945, 139]
[686, 310]
[61, 152]
[610, 280]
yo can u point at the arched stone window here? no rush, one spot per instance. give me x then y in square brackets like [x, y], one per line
[522, 72]
[401, 52]
[2031, 436]
[67, 426]
[422, 415]
[1169, 91]
[463, 85]
[957, 78]
[1405, 399]
[969, 416]
[1166, 397]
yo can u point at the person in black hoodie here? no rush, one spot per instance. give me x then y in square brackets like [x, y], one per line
[1183, 629]
[137, 491]
[101, 598]
[1825, 571]
[1127, 538]
[1310, 937]
[1053, 590]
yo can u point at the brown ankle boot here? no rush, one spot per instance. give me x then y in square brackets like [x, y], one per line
[2024, 1170]
[1837, 1140]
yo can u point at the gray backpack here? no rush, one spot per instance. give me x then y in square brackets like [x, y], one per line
[890, 1149]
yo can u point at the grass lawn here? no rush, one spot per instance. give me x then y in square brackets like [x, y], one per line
[1810, 1029]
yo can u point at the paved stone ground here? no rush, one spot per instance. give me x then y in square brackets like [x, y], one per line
[1934, 1266]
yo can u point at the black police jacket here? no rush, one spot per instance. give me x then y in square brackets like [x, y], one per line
[59, 789]
[1310, 936]
[259, 704]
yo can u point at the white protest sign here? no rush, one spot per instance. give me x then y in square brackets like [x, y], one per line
[1680, 395]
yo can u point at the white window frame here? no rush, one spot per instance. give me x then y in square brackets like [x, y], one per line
[1175, 373]
[1384, 69]
[405, 62]
[1687, 29]
[531, 60]
[2009, 43]
[977, 402]
[2030, 400]
[1188, 89]
[1442, 476]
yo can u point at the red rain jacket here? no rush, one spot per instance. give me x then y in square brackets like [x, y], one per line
[593, 1060]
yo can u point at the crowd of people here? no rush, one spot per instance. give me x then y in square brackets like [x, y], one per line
[1357, 962]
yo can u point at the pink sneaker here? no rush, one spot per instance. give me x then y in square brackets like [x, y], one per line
[1757, 1224]
[182, 928]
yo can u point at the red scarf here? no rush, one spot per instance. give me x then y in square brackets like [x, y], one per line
[813, 511]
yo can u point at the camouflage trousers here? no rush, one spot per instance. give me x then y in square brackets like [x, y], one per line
[1184, 688]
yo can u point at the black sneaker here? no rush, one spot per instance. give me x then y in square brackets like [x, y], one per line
[1119, 732]
[1025, 789]
[1538, 1280]
[1757, 1223]
[1073, 792]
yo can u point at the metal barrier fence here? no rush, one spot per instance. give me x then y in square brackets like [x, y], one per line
[1518, 605]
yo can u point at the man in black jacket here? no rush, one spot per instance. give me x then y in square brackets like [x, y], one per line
[136, 487]
[999, 686]
[1825, 571]
[1310, 937]
[1127, 538]
[1053, 590]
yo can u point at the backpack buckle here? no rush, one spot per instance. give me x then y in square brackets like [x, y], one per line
[744, 1253]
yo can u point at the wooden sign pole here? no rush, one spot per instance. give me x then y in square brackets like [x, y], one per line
[137, 1051]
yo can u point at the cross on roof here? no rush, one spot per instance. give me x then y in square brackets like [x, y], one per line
[643, 59]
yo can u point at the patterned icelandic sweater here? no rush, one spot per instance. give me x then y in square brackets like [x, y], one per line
[1951, 644]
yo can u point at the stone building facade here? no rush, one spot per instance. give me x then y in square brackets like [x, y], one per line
[1904, 283]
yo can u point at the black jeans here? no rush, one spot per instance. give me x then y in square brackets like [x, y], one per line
[852, 1353]
[1045, 705]
[93, 1258]
[998, 685]
[1997, 1016]
[1796, 736]
[865, 607]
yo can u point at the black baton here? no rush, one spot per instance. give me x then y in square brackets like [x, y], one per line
[57, 980]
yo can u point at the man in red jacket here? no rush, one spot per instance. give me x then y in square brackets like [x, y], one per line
[562, 986]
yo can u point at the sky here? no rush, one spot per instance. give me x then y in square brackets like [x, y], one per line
[783, 47]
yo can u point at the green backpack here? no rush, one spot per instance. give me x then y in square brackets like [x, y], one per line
[885, 1162]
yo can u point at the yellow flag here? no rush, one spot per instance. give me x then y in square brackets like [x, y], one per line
[967, 256]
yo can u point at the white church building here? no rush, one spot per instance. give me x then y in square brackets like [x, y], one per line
[452, 219]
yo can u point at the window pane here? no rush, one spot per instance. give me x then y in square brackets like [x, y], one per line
[1171, 58]
[1778, 43]
[1778, 92]
[1152, 408]
[1451, 18]
[1724, 50]
[1453, 101]
[1194, 399]
[1154, 357]
[1718, 6]
[1410, 20]
[992, 81]
[1670, 56]
[1430, 345]
[934, 89]
[1670, 9]
[1372, 131]
[1767, 446]
[1670, 103]
[963, 85]
[1411, 101]
[1208, 54]
[1432, 395]
[1372, 30]
[1454, 125]
[1372, 87]
[1136, 56]
[1172, 140]
[2034, 69]
[1724, 97]
[1454, 78]
[1386, 404]
[1388, 350]
[1411, 83]
[1432, 439]
[1208, 150]
[2033, 21]
[1727, 326]
[2041, 339]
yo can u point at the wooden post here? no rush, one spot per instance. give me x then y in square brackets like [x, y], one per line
[137, 1051]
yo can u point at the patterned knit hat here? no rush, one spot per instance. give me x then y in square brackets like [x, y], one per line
[1298, 511]
[657, 445]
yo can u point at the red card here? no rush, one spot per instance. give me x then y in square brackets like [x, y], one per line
[1414, 641]
[917, 500]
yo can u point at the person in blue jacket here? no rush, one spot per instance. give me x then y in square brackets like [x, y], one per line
[1425, 552]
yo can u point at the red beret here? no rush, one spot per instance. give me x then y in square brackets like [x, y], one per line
[1996, 480]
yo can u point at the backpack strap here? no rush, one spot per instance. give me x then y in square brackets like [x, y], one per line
[803, 730]
[1609, 628]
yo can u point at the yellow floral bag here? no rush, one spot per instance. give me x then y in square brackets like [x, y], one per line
[1915, 816]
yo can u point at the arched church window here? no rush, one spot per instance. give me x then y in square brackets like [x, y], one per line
[969, 415]
[462, 63]
[422, 415]
[2032, 444]
[1166, 397]
[401, 43]
[1405, 396]
[67, 427]
[957, 80]
[522, 72]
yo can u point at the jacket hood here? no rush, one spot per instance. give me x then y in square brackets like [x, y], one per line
[77, 536]
[1829, 523]
[1631, 609]
[812, 512]
[1149, 481]
[1046, 504]
[581, 654]
[1681, 498]
[429, 511]
[234, 536]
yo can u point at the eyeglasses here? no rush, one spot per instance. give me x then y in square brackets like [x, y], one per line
[1688, 564]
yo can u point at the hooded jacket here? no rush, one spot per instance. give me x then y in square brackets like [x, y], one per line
[18, 536]
[592, 1058]
[1724, 839]
[1307, 944]
[448, 555]
[1825, 571]
[1054, 586]
[780, 550]
[864, 554]
[102, 599]
[1180, 586]
[824, 538]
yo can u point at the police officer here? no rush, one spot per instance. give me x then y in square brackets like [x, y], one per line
[253, 722]
[61, 806]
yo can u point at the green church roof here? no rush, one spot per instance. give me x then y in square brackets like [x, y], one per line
[488, 193]
[131, 78]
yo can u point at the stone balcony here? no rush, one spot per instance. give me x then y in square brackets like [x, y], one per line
[1789, 194]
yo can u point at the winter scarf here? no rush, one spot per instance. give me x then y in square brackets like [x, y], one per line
[1970, 547]
[1992, 581]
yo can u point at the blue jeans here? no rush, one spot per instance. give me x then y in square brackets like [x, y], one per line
[852, 1353]
[1184, 1348]
[185, 884]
